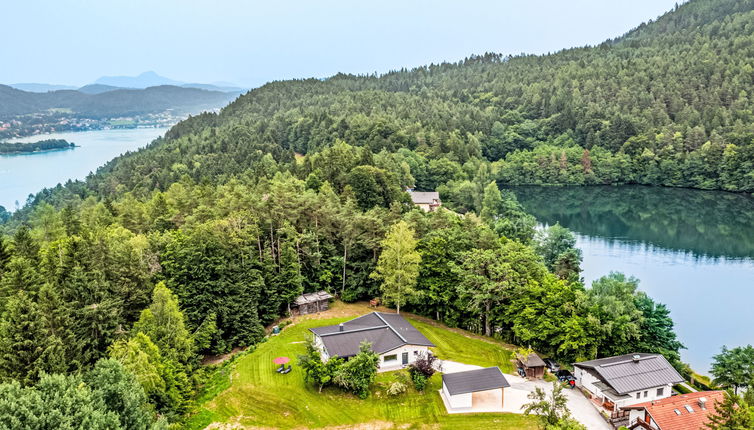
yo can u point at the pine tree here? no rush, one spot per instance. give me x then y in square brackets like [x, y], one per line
[733, 413]
[22, 339]
[398, 265]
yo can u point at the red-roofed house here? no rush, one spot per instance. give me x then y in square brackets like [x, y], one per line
[682, 412]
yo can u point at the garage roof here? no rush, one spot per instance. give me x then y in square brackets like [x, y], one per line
[474, 380]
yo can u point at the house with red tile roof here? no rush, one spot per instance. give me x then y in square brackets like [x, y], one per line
[682, 412]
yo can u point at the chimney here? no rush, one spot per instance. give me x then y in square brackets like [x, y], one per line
[636, 358]
[703, 402]
[340, 327]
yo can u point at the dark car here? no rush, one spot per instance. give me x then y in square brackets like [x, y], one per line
[552, 365]
[564, 375]
[521, 372]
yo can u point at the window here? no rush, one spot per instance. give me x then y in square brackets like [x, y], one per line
[393, 357]
[638, 395]
[688, 408]
[660, 391]
[645, 393]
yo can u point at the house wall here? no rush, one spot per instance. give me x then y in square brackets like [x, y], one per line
[651, 395]
[585, 379]
[459, 401]
[397, 364]
[321, 347]
[636, 414]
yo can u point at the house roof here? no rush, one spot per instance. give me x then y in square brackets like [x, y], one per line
[474, 380]
[532, 360]
[424, 197]
[694, 417]
[312, 298]
[633, 372]
[384, 331]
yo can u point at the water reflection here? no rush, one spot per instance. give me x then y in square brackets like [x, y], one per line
[703, 223]
[692, 250]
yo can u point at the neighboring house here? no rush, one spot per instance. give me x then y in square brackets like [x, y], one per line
[682, 412]
[479, 389]
[533, 365]
[625, 380]
[428, 201]
[311, 303]
[394, 339]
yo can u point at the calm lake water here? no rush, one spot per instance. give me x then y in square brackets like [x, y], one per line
[24, 174]
[692, 250]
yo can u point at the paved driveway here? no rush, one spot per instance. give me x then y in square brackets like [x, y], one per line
[516, 396]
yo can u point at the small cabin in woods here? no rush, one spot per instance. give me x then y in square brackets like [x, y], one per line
[311, 303]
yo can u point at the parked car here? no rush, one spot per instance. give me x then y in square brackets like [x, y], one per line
[551, 365]
[564, 375]
[521, 372]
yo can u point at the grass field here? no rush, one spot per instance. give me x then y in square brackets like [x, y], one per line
[258, 397]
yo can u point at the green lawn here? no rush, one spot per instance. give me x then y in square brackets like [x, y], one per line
[259, 397]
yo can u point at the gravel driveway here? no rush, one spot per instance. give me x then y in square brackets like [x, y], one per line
[516, 396]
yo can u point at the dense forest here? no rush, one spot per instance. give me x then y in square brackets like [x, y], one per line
[42, 145]
[196, 243]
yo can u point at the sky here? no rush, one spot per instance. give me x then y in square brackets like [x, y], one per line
[248, 42]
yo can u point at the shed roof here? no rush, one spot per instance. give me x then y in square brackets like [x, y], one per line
[312, 298]
[384, 331]
[633, 372]
[419, 197]
[532, 360]
[474, 380]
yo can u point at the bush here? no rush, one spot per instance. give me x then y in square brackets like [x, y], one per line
[420, 381]
[398, 386]
[424, 364]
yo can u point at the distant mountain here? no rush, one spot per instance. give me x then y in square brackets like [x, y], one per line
[41, 88]
[212, 87]
[98, 89]
[144, 80]
[118, 102]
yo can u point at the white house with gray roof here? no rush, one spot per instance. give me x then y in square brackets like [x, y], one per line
[625, 380]
[394, 339]
[428, 201]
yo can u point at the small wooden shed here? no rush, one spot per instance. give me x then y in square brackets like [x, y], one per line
[311, 303]
[533, 365]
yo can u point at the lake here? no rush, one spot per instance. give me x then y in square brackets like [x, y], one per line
[24, 174]
[691, 249]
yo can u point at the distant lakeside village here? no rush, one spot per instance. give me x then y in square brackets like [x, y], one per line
[56, 122]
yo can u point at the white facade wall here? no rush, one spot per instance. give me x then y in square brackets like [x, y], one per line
[413, 352]
[585, 379]
[667, 390]
[321, 347]
[636, 414]
[459, 401]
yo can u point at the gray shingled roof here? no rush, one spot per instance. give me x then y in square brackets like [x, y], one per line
[424, 196]
[474, 380]
[384, 331]
[312, 297]
[625, 374]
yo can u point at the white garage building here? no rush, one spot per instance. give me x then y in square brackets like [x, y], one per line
[480, 390]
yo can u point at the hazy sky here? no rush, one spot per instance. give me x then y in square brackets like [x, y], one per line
[250, 42]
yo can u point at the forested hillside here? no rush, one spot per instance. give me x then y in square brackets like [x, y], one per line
[192, 245]
[119, 102]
